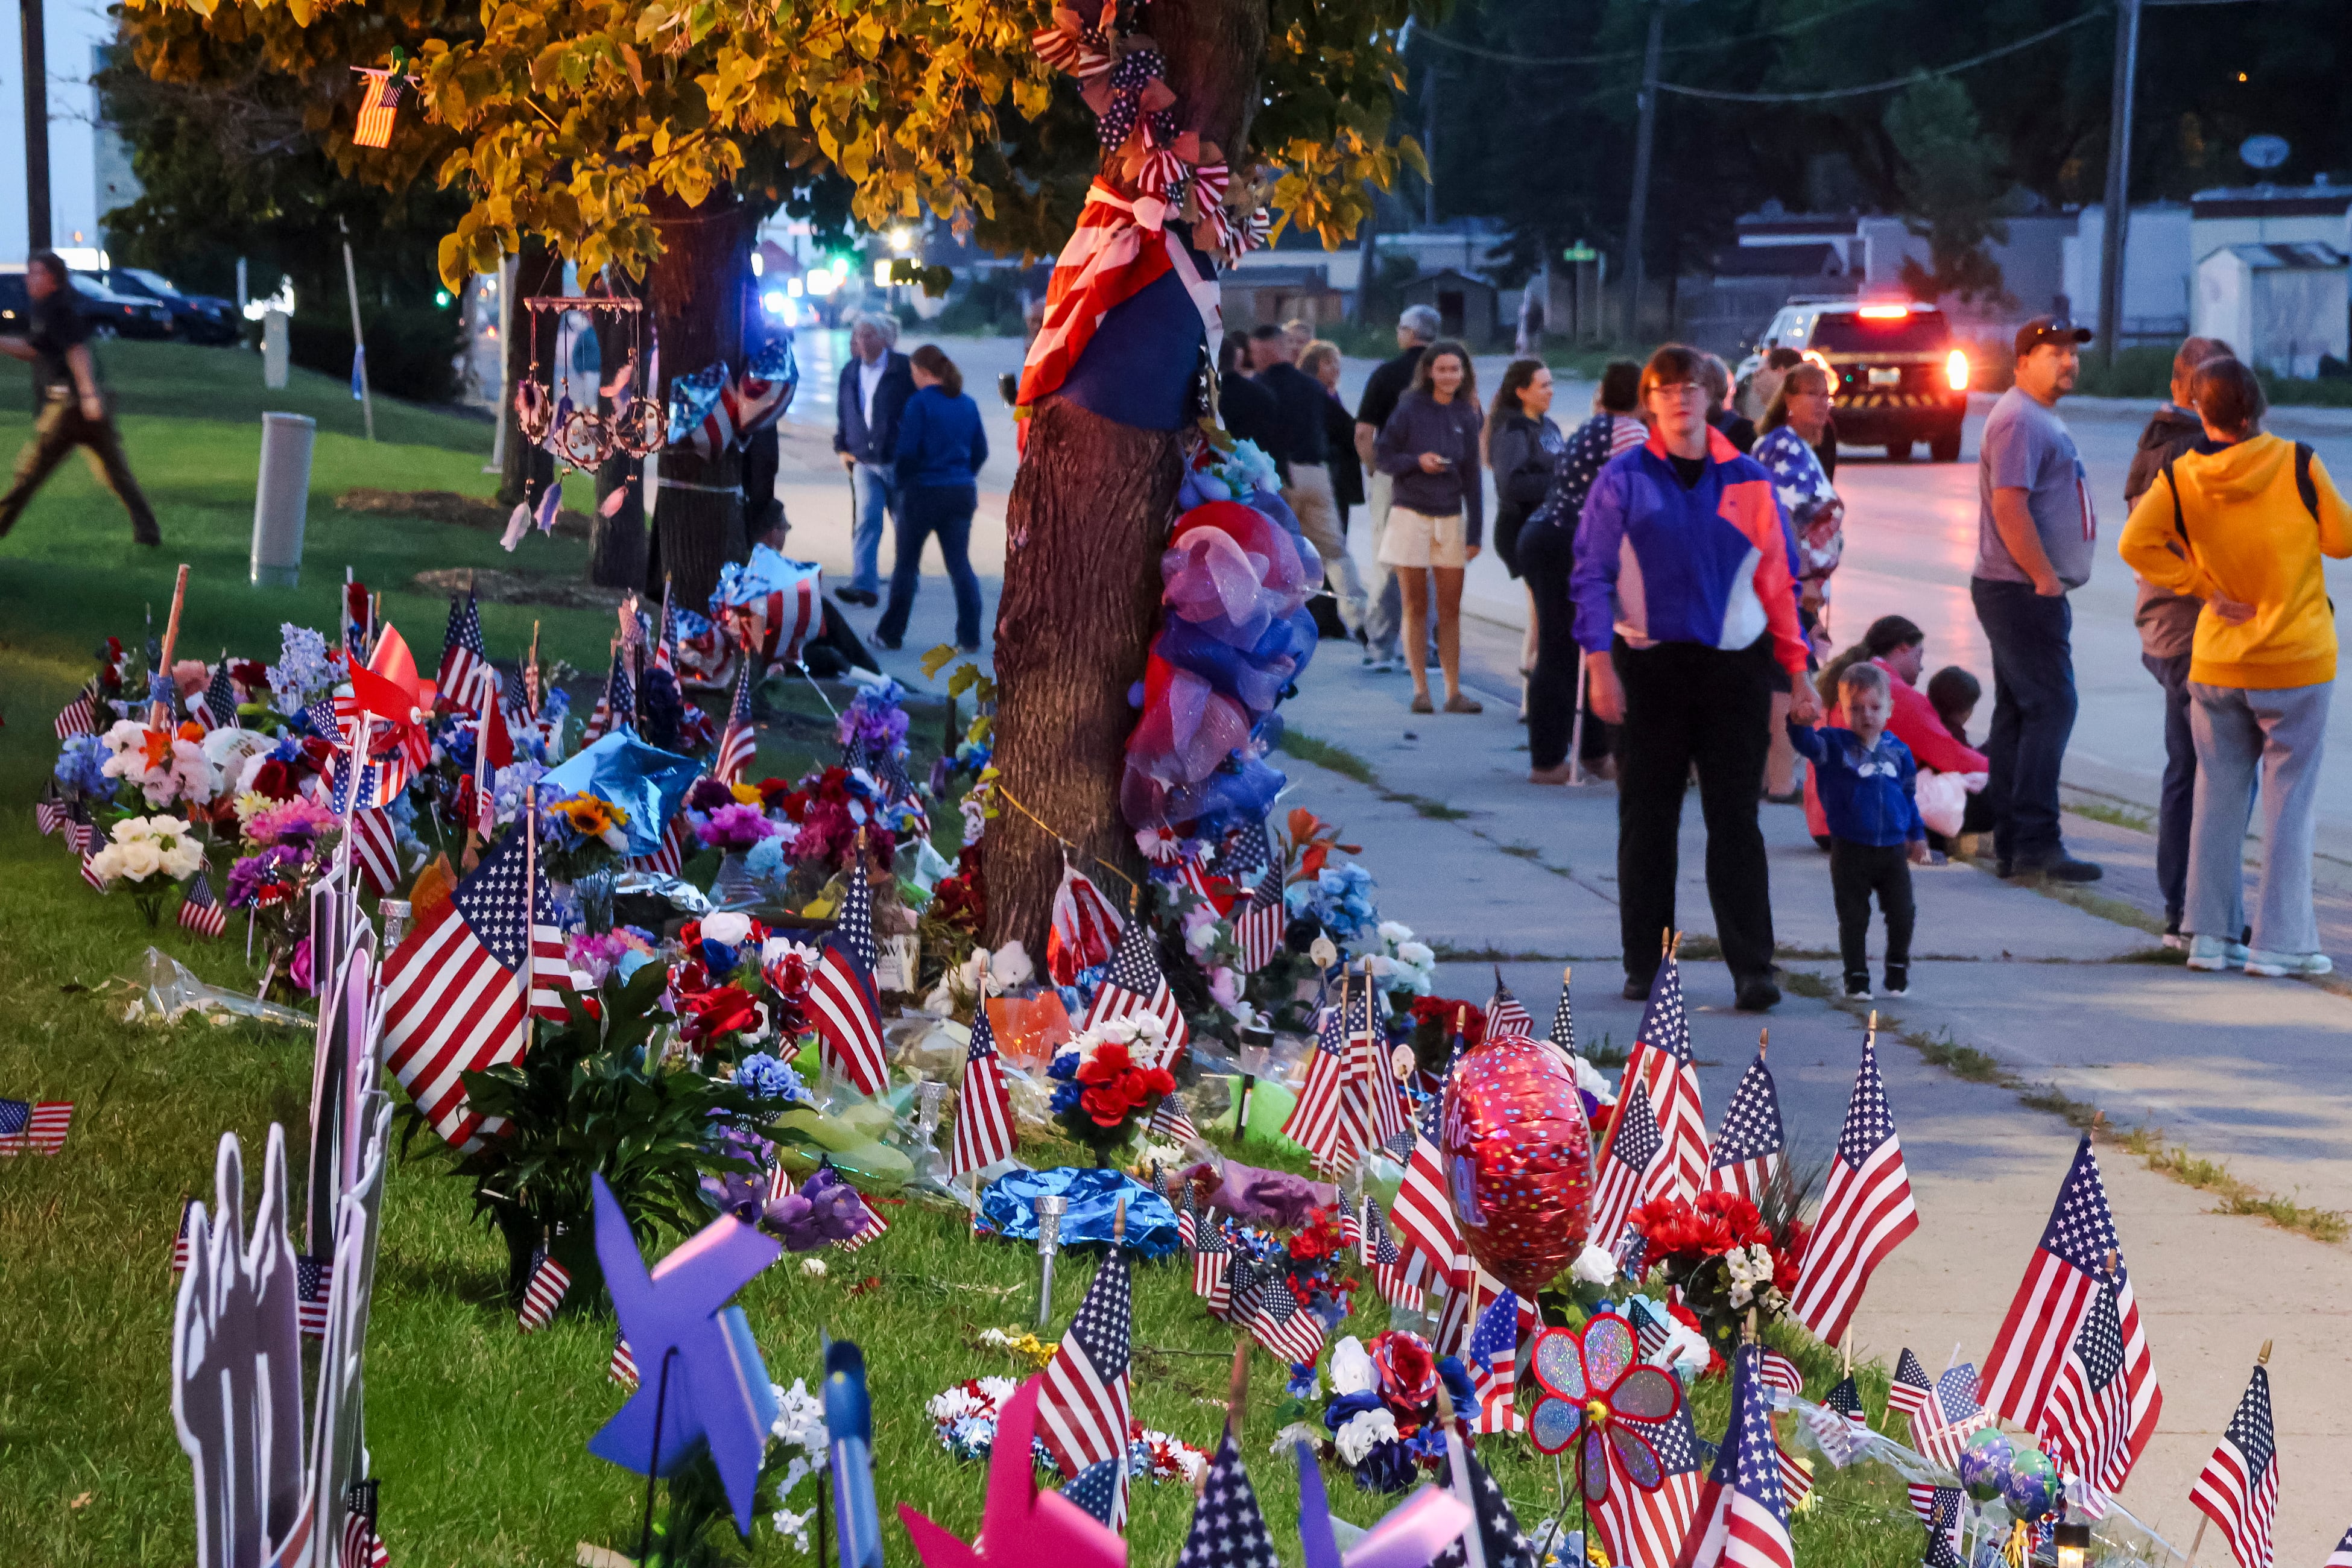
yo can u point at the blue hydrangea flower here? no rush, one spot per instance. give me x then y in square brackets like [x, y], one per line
[769, 1077]
[81, 763]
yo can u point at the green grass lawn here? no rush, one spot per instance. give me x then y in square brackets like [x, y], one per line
[477, 1431]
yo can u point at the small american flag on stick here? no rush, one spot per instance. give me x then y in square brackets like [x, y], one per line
[738, 743]
[544, 1292]
[849, 1007]
[1866, 1213]
[78, 717]
[2239, 1486]
[180, 1237]
[983, 1129]
[1750, 1144]
[314, 1278]
[1082, 1411]
[1136, 984]
[40, 1126]
[622, 1368]
[1211, 1259]
[379, 102]
[200, 912]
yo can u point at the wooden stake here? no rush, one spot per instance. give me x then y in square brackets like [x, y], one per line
[1763, 1039]
[1118, 1218]
[1237, 1389]
[531, 687]
[1845, 1351]
[2203, 1520]
[2264, 1359]
[159, 714]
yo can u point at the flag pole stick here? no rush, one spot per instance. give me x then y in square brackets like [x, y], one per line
[531, 686]
[158, 713]
[1474, 1543]
[530, 901]
[2198, 1544]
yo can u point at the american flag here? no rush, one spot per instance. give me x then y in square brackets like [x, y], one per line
[1504, 1013]
[1865, 1213]
[1212, 1257]
[1661, 1067]
[544, 1292]
[314, 1279]
[2239, 1488]
[1228, 1527]
[1651, 1331]
[1319, 1120]
[1795, 1478]
[493, 750]
[1629, 1173]
[81, 834]
[1083, 928]
[738, 743]
[180, 1236]
[2342, 1556]
[1351, 1226]
[1258, 921]
[1135, 984]
[462, 662]
[871, 1226]
[1423, 1210]
[1379, 1102]
[622, 1368]
[78, 717]
[670, 858]
[1910, 1391]
[2087, 1423]
[363, 1547]
[1170, 1120]
[90, 872]
[1942, 1518]
[1743, 1511]
[1501, 1542]
[616, 705]
[849, 1007]
[216, 707]
[200, 911]
[1082, 1411]
[2079, 1250]
[1563, 1021]
[1387, 1261]
[50, 812]
[1748, 1146]
[1846, 1400]
[1943, 1414]
[1780, 1371]
[1278, 1319]
[1495, 1366]
[1095, 1489]
[39, 1125]
[375, 849]
[1110, 259]
[450, 999]
[983, 1129]
[1650, 1527]
[379, 102]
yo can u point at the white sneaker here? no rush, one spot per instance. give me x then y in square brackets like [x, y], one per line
[2258, 962]
[2214, 954]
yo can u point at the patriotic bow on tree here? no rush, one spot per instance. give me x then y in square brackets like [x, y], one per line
[1592, 1390]
[1073, 43]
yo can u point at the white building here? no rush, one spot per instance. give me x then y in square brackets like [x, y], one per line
[2282, 306]
[2158, 259]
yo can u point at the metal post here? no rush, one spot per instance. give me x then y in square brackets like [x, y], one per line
[1645, 138]
[358, 343]
[37, 126]
[2117, 217]
[1050, 1209]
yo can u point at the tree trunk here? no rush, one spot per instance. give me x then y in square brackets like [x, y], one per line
[617, 544]
[696, 289]
[537, 272]
[1088, 518]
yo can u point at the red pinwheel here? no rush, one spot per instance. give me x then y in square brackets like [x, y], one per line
[389, 692]
[1592, 1389]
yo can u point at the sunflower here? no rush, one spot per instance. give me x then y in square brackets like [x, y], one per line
[590, 816]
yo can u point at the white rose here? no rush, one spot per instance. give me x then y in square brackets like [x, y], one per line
[1351, 1367]
[181, 860]
[725, 929]
[1395, 931]
[1686, 1351]
[1594, 1266]
[139, 858]
[1358, 1435]
[1416, 953]
[108, 862]
[1118, 1031]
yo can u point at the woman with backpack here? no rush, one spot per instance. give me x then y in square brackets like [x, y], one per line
[2241, 520]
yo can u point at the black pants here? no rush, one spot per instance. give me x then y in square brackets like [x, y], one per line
[1687, 705]
[58, 431]
[1547, 556]
[1857, 871]
[2033, 704]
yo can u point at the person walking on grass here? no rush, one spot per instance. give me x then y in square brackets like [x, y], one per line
[940, 451]
[2036, 529]
[2167, 629]
[1417, 328]
[1429, 449]
[1867, 784]
[875, 386]
[1687, 609]
[1304, 451]
[2242, 521]
[73, 410]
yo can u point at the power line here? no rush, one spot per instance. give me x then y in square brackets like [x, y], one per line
[1621, 56]
[1889, 85]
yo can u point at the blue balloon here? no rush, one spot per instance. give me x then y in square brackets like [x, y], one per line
[644, 781]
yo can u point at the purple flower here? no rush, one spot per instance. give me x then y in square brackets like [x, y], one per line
[826, 1208]
[736, 827]
[298, 968]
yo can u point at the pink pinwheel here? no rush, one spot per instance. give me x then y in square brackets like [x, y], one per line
[1592, 1389]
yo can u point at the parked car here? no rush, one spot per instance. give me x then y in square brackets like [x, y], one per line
[1898, 377]
[109, 314]
[196, 318]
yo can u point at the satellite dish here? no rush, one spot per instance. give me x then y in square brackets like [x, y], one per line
[2263, 152]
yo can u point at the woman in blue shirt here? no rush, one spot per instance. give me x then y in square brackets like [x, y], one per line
[941, 450]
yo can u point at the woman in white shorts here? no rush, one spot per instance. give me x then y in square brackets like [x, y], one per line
[1430, 448]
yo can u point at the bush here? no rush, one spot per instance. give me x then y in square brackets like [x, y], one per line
[411, 350]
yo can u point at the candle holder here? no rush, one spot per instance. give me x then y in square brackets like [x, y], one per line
[929, 1098]
[1257, 1055]
[1051, 1207]
[396, 921]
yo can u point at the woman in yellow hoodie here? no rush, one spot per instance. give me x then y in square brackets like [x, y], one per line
[2240, 522]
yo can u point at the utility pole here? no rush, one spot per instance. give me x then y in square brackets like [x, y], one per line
[37, 126]
[1645, 138]
[2117, 217]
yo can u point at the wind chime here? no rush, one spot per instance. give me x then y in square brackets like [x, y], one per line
[581, 436]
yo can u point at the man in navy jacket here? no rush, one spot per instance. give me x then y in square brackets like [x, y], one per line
[875, 386]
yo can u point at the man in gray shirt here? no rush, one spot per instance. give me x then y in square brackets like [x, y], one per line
[2035, 530]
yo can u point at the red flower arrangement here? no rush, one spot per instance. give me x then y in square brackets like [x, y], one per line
[1726, 1259]
[1116, 1086]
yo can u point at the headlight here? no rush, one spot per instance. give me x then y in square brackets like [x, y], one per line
[1956, 370]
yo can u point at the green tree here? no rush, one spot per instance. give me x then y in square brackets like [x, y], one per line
[1951, 189]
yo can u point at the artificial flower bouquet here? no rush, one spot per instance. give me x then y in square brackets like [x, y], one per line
[1724, 1257]
[1381, 1420]
[963, 1418]
[1108, 1078]
[581, 836]
[149, 855]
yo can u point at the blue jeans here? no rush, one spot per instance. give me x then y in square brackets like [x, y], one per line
[2032, 714]
[945, 510]
[876, 490]
[2176, 804]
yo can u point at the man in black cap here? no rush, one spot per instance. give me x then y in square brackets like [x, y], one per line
[2035, 532]
[73, 410]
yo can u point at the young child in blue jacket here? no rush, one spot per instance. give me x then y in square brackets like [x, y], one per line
[1867, 780]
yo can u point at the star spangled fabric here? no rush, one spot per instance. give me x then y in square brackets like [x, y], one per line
[40, 1126]
[1258, 921]
[1423, 1210]
[670, 858]
[1748, 1146]
[2342, 1556]
[2238, 1490]
[1096, 1488]
[1743, 1511]
[1795, 1478]
[78, 717]
[623, 1367]
[1170, 1122]
[1943, 1522]
[1652, 1332]
[848, 1006]
[1910, 1391]
[1866, 1210]
[1500, 1539]
[1228, 1527]
[1386, 1260]
[1650, 1527]
[1319, 1120]
[1630, 1172]
[1504, 1013]
[738, 743]
[2060, 1287]
[454, 997]
[1948, 1415]
[180, 1237]
[1563, 1021]
[2087, 1423]
[462, 662]
[1662, 1068]
[1212, 1259]
[1495, 1366]
[1135, 984]
[1377, 1102]
[1280, 1321]
[1778, 1371]
[314, 1279]
[200, 910]
[216, 707]
[542, 1292]
[363, 1547]
[616, 705]
[983, 1129]
[1082, 1411]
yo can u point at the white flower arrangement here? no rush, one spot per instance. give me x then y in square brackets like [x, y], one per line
[1750, 1268]
[1399, 961]
[1361, 1432]
[141, 848]
[1351, 1368]
[1143, 1034]
[163, 766]
[800, 1423]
